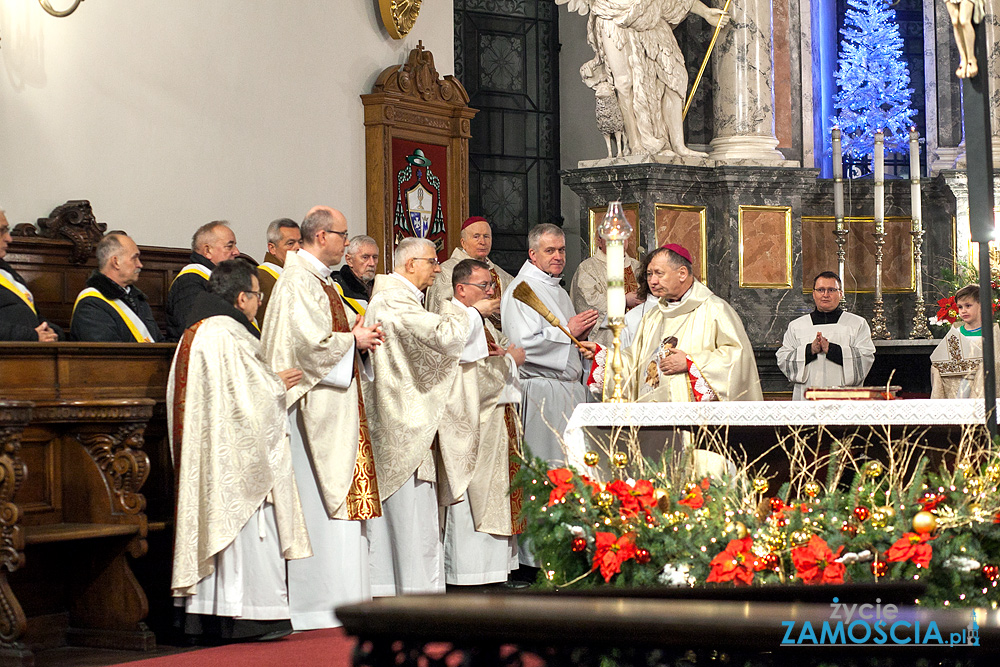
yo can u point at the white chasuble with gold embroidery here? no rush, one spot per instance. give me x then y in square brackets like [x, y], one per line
[226, 419]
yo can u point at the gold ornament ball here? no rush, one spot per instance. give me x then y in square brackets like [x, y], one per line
[760, 485]
[812, 489]
[604, 499]
[874, 469]
[620, 459]
[889, 511]
[992, 473]
[800, 538]
[741, 529]
[964, 467]
[591, 458]
[879, 519]
[924, 522]
[975, 485]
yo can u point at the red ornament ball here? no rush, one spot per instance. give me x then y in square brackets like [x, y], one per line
[772, 561]
[642, 556]
[861, 513]
[579, 544]
[776, 504]
[880, 568]
[991, 572]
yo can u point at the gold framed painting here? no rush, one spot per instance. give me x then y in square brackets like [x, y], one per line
[765, 250]
[819, 253]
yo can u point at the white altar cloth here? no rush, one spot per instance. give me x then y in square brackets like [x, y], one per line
[917, 412]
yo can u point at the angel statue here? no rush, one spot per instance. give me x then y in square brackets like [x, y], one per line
[964, 13]
[636, 52]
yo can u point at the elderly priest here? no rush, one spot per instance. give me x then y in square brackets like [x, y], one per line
[18, 317]
[692, 346]
[238, 515]
[424, 416]
[283, 237]
[111, 309]
[214, 242]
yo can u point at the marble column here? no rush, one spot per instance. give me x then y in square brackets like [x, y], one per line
[743, 88]
[992, 30]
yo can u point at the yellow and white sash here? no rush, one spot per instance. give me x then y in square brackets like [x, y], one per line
[7, 281]
[200, 269]
[353, 304]
[132, 321]
[273, 269]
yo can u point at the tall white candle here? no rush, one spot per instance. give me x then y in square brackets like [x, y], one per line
[879, 183]
[915, 180]
[616, 279]
[838, 178]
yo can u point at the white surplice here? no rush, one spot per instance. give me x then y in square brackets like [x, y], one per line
[851, 357]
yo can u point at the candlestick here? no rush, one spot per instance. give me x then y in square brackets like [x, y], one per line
[920, 328]
[880, 182]
[615, 229]
[838, 209]
[616, 278]
[914, 180]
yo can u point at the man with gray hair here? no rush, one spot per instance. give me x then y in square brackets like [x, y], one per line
[552, 375]
[111, 309]
[358, 273]
[283, 236]
[212, 243]
[425, 429]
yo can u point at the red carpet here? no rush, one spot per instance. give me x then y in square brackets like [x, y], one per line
[317, 647]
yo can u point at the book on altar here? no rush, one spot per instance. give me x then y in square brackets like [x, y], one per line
[884, 393]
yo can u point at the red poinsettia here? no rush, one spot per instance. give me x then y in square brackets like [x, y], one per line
[930, 501]
[562, 483]
[735, 563]
[633, 497]
[610, 552]
[814, 563]
[694, 496]
[911, 547]
[948, 310]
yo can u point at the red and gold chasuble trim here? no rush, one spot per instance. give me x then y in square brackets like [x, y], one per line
[516, 495]
[180, 390]
[362, 498]
[631, 284]
[497, 293]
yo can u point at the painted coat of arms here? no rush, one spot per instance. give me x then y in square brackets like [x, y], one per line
[418, 200]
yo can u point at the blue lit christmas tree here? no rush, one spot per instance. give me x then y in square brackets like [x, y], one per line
[873, 80]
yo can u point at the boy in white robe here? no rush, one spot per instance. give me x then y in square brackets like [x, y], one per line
[957, 361]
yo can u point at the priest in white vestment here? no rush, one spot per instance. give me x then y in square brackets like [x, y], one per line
[589, 289]
[238, 512]
[480, 546]
[552, 375]
[957, 361]
[424, 418]
[307, 327]
[828, 347]
[691, 347]
[476, 242]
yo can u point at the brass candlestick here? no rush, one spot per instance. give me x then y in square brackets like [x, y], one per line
[615, 363]
[879, 329]
[841, 233]
[920, 328]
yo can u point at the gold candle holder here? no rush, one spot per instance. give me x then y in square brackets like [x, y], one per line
[920, 328]
[879, 329]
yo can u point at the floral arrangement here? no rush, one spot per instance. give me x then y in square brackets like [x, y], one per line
[964, 274]
[660, 524]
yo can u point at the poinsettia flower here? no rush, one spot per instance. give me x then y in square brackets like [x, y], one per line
[930, 501]
[735, 563]
[634, 497]
[595, 487]
[610, 552]
[911, 547]
[694, 496]
[562, 483]
[948, 310]
[814, 563]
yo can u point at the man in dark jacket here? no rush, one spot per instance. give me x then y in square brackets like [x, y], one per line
[111, 309]
[213, 243]
[18, 317]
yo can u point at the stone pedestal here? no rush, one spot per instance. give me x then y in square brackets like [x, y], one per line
[751, 252]
[743, 87]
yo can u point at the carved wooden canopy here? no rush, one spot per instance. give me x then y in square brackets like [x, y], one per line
[417, 129]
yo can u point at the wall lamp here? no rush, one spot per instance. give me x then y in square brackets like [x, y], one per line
[47, 6]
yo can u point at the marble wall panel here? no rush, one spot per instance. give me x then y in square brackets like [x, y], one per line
[783, 129]
[765, 237]
[819, 253]
[685, 225]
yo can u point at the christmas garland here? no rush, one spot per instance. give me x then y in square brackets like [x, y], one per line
[865, 522]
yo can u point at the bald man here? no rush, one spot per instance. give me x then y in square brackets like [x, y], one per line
[214, 242]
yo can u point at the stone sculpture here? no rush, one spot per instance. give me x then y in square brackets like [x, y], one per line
[636, 53]
[963, 14]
